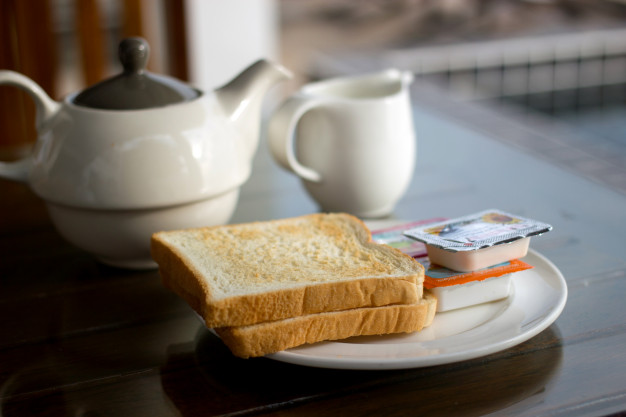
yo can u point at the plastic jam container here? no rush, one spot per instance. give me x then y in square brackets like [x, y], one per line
[456, 290]
[479, 240]
[394, 237]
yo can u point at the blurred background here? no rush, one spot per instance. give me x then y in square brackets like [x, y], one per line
[554, 65]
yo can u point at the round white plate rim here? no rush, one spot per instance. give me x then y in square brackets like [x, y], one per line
[535, 326]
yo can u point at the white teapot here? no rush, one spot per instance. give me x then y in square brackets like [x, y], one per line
[139, 153]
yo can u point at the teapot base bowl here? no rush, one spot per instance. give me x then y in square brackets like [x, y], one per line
[121, 238]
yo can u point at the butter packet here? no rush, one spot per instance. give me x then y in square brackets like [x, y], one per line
[456, 290]
[440, 276]
[477, 231]
[479, 240]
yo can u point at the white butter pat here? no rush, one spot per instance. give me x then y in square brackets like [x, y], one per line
[472, 293]
[455, 289]
[479, 240]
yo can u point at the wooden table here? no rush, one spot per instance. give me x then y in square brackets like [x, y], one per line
[79, 338]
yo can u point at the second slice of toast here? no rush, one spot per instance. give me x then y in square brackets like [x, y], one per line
[265, 338]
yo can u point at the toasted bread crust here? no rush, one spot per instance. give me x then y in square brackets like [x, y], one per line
[180, 274]
[270, 337]
[301, 301]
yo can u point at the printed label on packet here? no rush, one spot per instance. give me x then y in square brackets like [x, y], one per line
[477, 231]
[394, 237]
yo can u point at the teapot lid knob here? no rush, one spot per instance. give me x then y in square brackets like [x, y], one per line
[135, 88]
[133, 54]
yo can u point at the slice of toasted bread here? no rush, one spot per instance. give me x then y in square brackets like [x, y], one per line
[249, 273]
[265, 338]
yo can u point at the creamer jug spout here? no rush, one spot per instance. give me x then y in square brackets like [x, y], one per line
[242, 98]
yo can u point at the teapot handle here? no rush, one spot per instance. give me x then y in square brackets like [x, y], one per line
[281, 128]
[45, 109]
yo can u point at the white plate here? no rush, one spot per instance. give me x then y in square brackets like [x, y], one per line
[537, 300]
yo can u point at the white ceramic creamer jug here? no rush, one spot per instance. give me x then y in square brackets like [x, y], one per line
[351, 140]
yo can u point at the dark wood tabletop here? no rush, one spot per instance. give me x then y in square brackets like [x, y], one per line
[79, 338]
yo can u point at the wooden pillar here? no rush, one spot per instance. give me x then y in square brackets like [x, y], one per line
[177, 39]
[91, 41]
[26, 46]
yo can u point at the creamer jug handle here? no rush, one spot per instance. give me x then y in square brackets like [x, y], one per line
[281, 132]
[45, 107]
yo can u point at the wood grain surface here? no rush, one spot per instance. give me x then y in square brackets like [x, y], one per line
[81, 338]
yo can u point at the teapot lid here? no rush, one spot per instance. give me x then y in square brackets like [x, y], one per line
[135, 87]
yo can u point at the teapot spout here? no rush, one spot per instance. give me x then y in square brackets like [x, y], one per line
[242, 98]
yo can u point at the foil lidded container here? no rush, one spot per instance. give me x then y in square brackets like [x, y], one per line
[479, 240]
